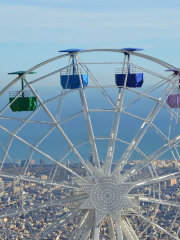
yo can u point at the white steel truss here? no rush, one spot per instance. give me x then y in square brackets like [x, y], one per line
[120, 223]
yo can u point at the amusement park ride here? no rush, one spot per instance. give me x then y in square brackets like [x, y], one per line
[103, 195]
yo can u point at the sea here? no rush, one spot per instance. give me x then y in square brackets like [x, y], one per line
[55, 146]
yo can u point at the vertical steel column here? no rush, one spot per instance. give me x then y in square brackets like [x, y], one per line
[95, 233]
[119, 231]
[141, 132]
[115, 124]
[88, 228]
[22, 84]
[88, 120]
[111, 228]
[58, 127]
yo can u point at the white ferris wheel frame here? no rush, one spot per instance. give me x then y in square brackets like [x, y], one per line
[133, 145]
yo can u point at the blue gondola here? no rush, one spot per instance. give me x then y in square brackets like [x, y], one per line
[72, 81]
[133, 79]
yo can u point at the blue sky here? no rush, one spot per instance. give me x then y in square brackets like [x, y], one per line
[33, 31]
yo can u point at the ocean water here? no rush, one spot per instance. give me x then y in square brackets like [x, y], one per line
[54, 144]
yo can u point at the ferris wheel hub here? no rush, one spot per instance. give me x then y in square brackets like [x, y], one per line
[107, 196]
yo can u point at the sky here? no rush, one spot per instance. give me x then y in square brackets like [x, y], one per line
[34, 31]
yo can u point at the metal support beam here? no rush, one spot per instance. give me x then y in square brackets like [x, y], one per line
[95, 232]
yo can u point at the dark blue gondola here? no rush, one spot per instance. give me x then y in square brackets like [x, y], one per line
[72, 81]
[133, 79]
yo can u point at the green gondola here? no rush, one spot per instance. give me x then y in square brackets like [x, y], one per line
[26, 101]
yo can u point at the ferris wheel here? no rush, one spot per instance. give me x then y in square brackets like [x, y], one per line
[128, 120]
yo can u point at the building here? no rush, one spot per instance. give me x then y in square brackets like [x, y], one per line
[68, 167]
[171, 182]
[44, 177]
[91, 160]
[18, 163]
[25, 162]
[16, 189]
[1, 185]
[42, 161]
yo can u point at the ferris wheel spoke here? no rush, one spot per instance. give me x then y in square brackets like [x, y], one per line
[173, 223]
[41, 152]
[23, 120]
[66, 119]
[159, 227]
[159, 132]
[95, 231]
[36, 144]
[146, 228]
[50, 74]
[141, 132]
[145, 94]
[115, 124]
[113, 134]
[28, 119]
[51, 229]
[87, 222]
[12, 137]
[157, 179]
[169, 133]
[148, 225]
[151, 72]
[88, 228]
[61, 159]
[171, 111]
[159, 201]
[10, 159]
[48, 182]
[88, 121]
[175, 130]
[152, 157]
[59, 128]
[101, 110]
[149, 90]
[111, 228]
[105, 94]
[178, 231]
[30, 70]
[166, 139]
[43, 137]
[6, 152]
[75, 235]
[142, 94]
[5, 231]
[62, 99]
[136, 149]
[134, 116]
[57, 224]
[170, 124]
[128, 230]
[39, 206]
[119, 231]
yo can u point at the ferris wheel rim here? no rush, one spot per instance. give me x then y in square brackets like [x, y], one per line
[156, 60]
[63, 56]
